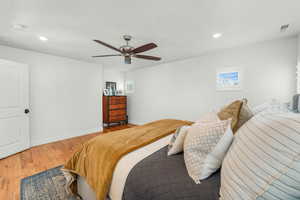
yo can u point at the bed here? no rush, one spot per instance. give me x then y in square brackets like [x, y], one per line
[101, 166]
[143, 171]
[133, 164]
[148, 173]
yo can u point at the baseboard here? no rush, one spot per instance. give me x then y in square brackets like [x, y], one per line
[136, 123]
[64, 136]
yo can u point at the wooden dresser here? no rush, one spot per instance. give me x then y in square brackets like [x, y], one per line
[114, 109]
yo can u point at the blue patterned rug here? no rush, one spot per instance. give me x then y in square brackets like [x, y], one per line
[47, 185]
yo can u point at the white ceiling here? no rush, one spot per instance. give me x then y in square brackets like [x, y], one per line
[181, 28]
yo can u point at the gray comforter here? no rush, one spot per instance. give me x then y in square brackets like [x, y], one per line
[165, 177]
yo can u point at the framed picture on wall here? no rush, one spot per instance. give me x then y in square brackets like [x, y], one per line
[111, 87]
[228, 79]
[129, 86]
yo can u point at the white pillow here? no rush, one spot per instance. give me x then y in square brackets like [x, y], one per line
[215, 158]
[176, 143]
[205, 147]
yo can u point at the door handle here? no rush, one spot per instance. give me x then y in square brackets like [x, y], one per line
[26, 111]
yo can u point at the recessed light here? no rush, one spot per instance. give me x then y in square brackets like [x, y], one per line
[43, 38]
[217, 35]
[19, 26]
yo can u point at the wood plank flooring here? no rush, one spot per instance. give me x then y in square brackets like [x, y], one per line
[37, 159]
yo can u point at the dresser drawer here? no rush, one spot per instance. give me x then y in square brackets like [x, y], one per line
[117, 112]
[114, 109]
[117, 100]
[117, 106]
[117, 118]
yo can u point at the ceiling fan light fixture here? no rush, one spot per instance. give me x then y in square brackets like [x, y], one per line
[127, 59]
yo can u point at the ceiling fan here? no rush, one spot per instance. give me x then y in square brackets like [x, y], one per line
[128, 51]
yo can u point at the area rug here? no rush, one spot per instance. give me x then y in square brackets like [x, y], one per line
[47, 185]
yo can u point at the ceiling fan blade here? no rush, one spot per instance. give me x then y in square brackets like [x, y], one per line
[109, 46]
[148, 57]
[143, 48]
[106, 55]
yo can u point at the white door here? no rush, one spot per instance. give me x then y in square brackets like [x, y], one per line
[14, 118]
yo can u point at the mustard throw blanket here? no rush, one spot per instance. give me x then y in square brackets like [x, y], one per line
[97, 158]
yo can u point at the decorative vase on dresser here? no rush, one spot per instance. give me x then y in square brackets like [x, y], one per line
[114, 110]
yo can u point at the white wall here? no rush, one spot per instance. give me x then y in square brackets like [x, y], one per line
[65, 95]
[114, 75]
[299, 49]
[186, 89]
[298, 66]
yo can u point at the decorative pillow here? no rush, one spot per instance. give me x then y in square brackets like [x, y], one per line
[264, 159]
[176, 143]
[205, 147]
[245, 114]
[232, 111]
[261, 107]
[274, 106]
[207, 118]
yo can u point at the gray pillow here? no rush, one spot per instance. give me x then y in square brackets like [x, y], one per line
[295, 105]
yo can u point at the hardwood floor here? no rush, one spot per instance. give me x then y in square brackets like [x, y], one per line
[37, 159]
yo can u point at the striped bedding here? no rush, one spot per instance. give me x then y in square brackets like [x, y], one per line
[264, 159]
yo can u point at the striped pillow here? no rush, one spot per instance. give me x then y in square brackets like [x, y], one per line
[264, 159]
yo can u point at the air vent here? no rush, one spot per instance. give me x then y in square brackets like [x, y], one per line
[284, 27]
